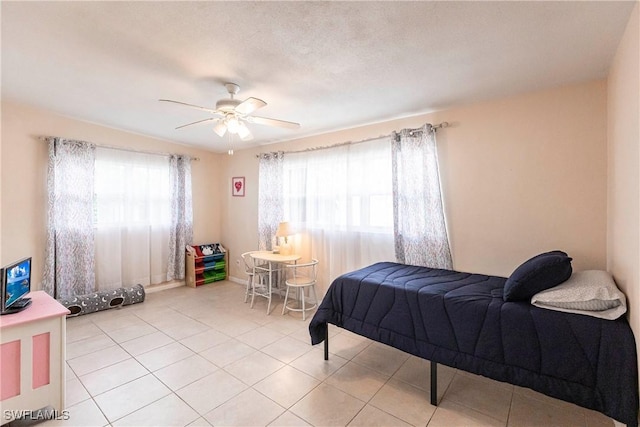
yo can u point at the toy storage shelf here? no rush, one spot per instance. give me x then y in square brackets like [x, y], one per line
[205, 264]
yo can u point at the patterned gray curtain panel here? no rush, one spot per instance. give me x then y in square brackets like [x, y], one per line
[181, 231]
[70, 265]
[420, 231]
[270, 198]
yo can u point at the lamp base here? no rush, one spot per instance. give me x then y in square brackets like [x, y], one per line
[285, 249]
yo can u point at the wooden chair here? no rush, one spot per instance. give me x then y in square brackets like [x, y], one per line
[303, 276]
[248, 269]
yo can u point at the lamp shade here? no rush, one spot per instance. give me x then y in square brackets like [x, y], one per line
[284, 230]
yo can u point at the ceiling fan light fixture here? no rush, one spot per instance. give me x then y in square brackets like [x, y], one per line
[232, 114]
[233, 124]
[244, 133]
[220, 128]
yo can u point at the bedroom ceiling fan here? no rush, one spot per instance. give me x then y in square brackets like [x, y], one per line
[233, 114]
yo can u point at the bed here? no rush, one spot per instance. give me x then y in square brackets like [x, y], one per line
[462, 320]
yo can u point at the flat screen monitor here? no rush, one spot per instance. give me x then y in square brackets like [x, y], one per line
[16, 283]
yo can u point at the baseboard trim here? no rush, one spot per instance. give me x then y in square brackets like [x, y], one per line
[164, 286]
[236, 280]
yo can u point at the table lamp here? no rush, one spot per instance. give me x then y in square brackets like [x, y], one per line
[284, 230]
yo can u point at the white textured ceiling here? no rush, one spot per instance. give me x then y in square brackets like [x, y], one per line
[326, 65]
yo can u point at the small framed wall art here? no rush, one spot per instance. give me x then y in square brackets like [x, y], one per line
[237, 186]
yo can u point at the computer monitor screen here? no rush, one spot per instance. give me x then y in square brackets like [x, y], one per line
[16, 282]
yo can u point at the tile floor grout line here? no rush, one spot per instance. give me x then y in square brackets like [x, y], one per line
[510, 407]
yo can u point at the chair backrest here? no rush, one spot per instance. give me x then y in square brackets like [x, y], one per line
[248, 261]
[308, 270]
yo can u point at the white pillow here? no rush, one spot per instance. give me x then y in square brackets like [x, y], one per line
[590, 292]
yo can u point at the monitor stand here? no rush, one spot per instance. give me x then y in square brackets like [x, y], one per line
[17, 306]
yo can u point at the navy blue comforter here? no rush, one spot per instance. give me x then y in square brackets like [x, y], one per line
[460, 320]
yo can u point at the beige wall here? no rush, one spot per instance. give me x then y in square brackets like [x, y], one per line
[520, 176]
[24, 170]
[623, 226]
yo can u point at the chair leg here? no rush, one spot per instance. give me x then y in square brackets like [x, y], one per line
[279, 282]
[249, 286]
[269, 296]
[253, 291]
[304, 314]
[315, 297]
[286, 295]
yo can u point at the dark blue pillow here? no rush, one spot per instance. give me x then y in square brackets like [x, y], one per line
[541, 272]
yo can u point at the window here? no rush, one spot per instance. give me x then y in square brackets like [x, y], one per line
[343, 188]
[131, 189]
[132, 218]
[339, 202]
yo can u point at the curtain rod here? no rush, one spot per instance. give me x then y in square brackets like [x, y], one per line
[434, 127]
[130, 150]
[414, 131]
[340, 144]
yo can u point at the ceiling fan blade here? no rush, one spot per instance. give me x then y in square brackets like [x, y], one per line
[273, 122]
[191, 105]
[250, 105]
[195, 123]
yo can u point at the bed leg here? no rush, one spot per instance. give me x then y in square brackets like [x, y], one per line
[326, 343]
[434, 383]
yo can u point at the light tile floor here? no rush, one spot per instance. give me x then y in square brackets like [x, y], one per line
[202, 357]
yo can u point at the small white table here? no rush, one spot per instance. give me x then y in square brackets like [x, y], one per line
[270, 259]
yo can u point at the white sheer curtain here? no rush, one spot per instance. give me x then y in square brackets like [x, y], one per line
[419, 223]
[339, 202]
[133, 218]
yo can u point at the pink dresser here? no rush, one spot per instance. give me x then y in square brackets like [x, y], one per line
[32, 357]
